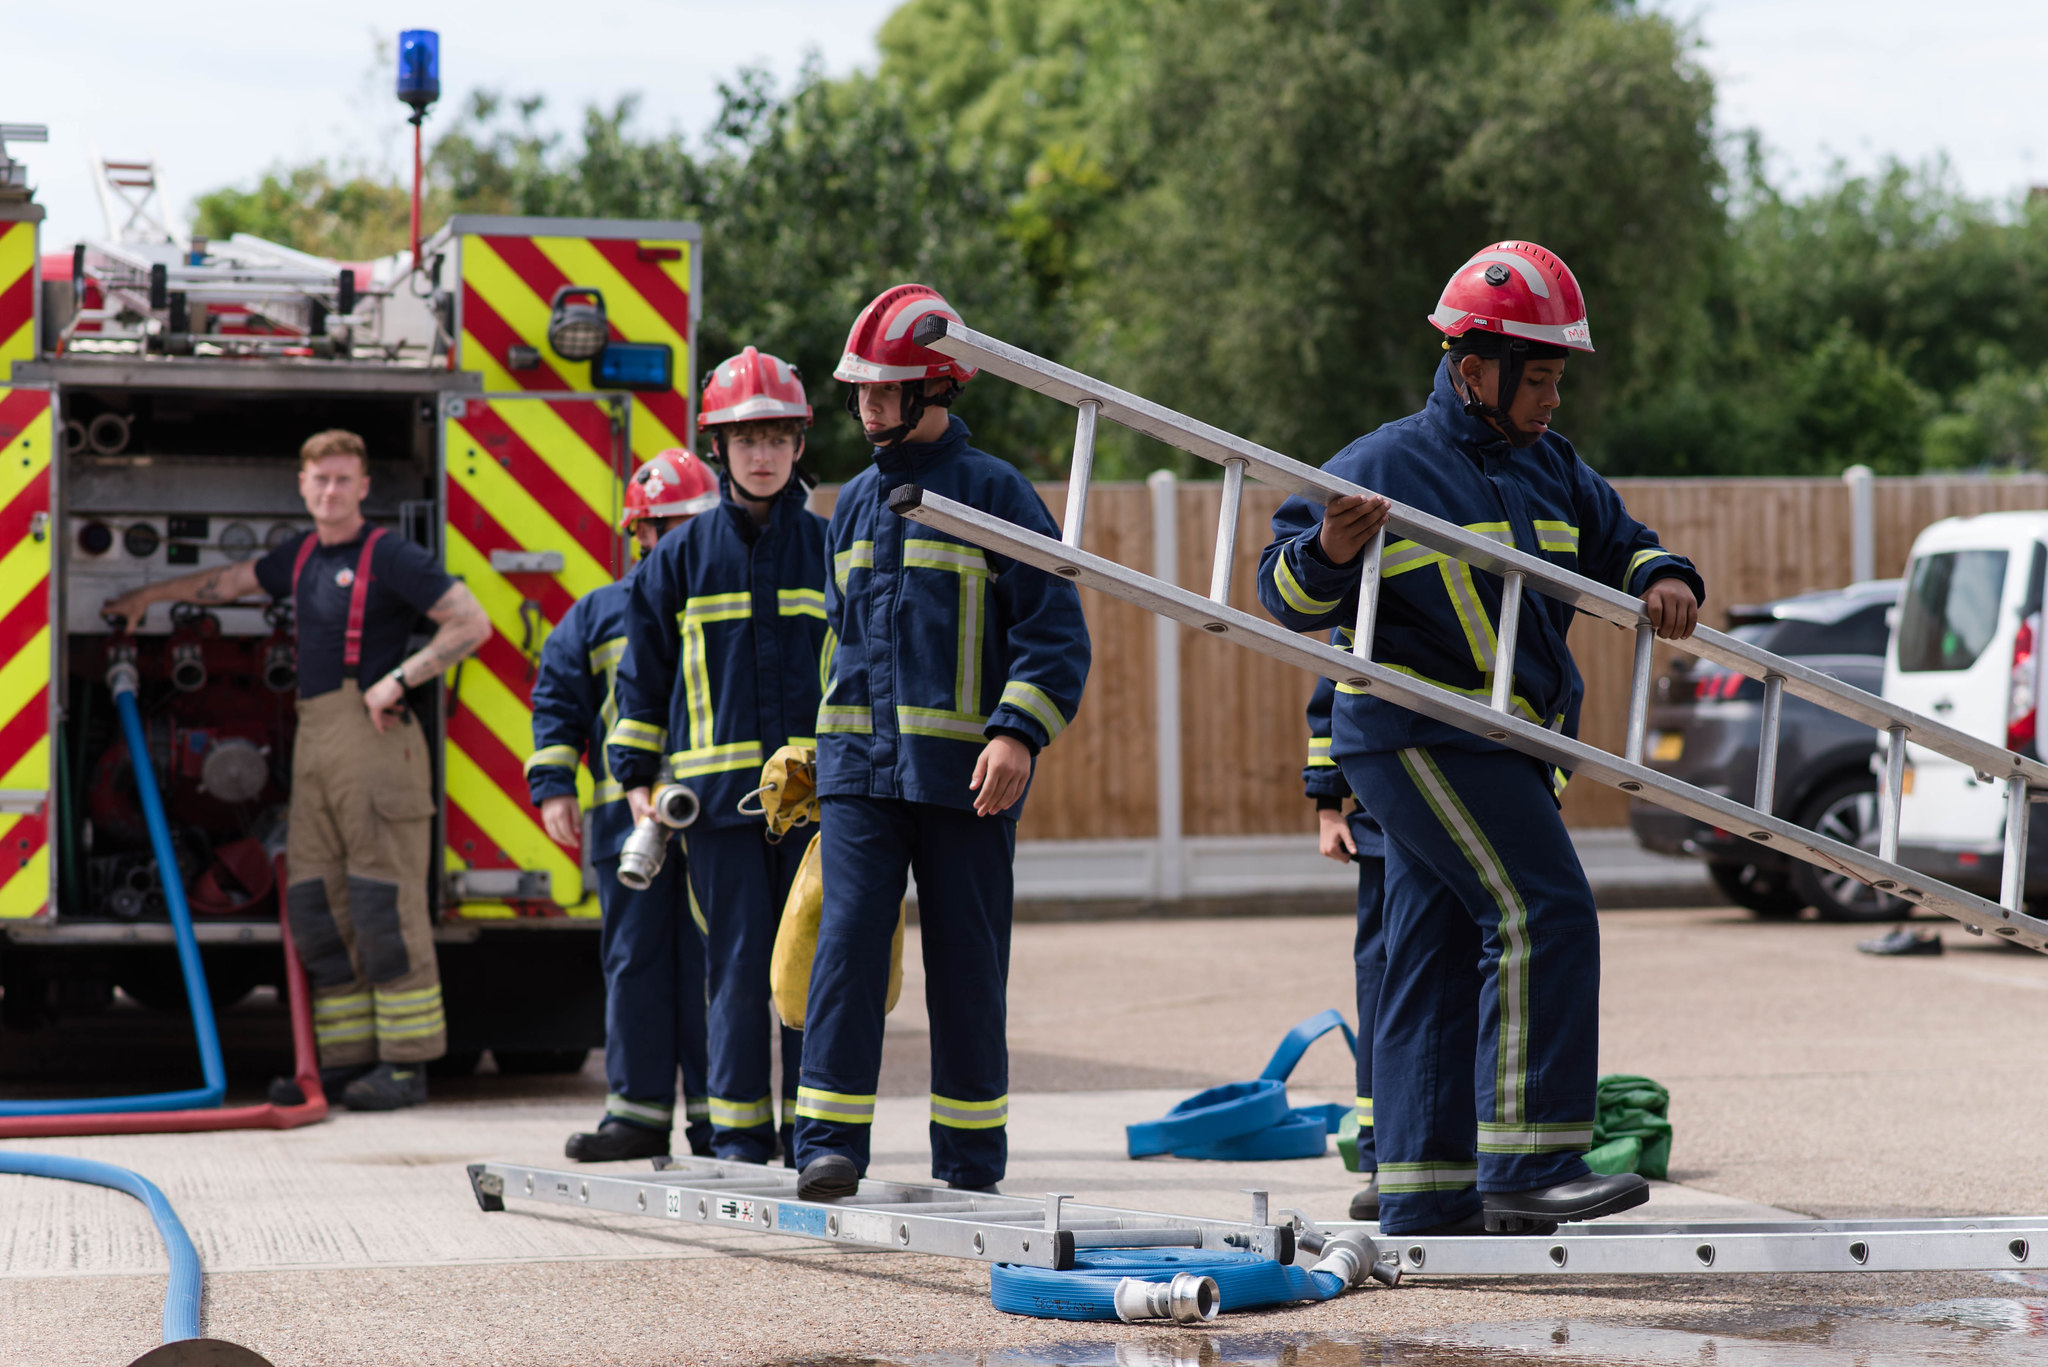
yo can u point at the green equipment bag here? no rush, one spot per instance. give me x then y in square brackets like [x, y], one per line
[1630, 1131]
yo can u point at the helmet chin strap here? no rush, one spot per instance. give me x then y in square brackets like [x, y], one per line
[915, 404]
[1508, 383]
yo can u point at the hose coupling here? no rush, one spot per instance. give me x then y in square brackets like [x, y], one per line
[188, 667]
[122, 676]
[1188, 1299]
[281, 667]
[675, 806]
[640, 857]
[1352, 1257]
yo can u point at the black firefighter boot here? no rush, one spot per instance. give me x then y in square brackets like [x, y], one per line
[387, 1087]
[1365, 1205]
[286, 1091]
[1583, 1198]
[615, 1140]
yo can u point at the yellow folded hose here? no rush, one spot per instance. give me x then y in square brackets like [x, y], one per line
[789, 798]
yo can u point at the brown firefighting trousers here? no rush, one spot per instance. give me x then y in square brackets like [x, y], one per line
[358, 853]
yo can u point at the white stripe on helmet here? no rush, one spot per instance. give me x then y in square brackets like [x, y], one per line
[1531, 274]
[902, 322]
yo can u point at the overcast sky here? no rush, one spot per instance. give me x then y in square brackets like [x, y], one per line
[220, 91]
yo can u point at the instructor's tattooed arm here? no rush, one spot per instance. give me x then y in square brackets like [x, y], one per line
[460, 627]
[225, 584]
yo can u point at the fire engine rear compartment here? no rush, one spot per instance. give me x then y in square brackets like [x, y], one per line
[152, 482]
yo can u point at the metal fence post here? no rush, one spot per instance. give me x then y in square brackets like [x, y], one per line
[1170, 873]
[1862, 524]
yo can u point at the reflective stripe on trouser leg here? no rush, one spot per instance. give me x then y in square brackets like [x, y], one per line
[1487, 1032]
[653, 961]
[342, 1028]
[865, 846]
[741, 882]
[1369, 966]
[962, 863]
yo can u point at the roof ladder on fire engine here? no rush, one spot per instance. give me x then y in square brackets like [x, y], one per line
[2026, 779]
[1050, 1231]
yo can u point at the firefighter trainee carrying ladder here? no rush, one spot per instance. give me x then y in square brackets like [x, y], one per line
[1493, 947]
[947, 670]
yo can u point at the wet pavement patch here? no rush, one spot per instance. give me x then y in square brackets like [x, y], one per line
[1986, 1331]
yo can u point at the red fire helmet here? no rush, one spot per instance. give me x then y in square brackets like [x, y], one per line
[752, 387]
[674, 484]
[879, 349]
[1519, 289]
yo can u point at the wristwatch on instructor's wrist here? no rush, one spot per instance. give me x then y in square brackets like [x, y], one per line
[398, 676]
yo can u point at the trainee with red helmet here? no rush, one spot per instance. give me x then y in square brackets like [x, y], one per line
[1485, 1042]
[947, 669]
[724, 632]
[653, 958]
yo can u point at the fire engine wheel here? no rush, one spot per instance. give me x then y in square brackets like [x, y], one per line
[528, 1062]
[159, 984]
[1767, 894]
[1845, 810]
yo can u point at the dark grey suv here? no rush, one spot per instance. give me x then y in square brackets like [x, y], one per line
[1704, 727]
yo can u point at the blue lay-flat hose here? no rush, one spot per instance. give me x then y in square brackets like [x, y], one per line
[181, 1296]
[210, 1064]
[1243, 1121]
[1244, 1281]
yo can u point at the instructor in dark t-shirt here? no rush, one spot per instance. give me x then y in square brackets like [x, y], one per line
[358, 852]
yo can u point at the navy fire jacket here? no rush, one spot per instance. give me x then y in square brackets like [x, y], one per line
[1438, 617]
[575, 702]
[723, 635]
[935, 645]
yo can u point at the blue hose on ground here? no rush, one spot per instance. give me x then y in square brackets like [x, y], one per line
[1245, 1281]
[181, 1297]
[211, 1066]
[1247, 1121]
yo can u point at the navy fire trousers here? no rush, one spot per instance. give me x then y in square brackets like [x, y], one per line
[1488, 1024]
[653, 960]
[740, 881]
[964, 886]
[1369, 958]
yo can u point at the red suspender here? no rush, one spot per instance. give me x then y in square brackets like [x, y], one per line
[352, 648]
[359, 594]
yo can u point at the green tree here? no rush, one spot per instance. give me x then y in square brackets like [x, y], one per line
[349, 216]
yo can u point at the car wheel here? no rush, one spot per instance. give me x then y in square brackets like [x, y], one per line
[1845, 810]
[1767, 893]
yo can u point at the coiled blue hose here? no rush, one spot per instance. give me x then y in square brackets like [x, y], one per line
[210, 1064]
[1245, 1281]
[181, 1297]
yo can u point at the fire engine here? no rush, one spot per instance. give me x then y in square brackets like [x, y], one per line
[154, 390]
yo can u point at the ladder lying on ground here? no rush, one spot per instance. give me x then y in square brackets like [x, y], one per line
[2026, 779]
[1049, 1232]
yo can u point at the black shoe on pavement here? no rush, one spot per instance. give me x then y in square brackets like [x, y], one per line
[990, 1190]
[614, 1140]
[1365, 1205]
[1585, 1198]
[387, 1087]
[1904, 940]
[286, 1091]
[827, 1178]
[699, 1135]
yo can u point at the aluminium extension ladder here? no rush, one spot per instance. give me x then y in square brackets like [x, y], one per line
[1048, 1232]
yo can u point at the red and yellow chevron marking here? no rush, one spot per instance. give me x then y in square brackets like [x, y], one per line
[529, 474]
[17, 294]
[508, 282]
[24, 647]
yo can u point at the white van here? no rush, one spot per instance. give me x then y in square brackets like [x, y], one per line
[1967, 651]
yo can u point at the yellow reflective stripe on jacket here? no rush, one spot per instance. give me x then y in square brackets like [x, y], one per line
[608, 655]
[936, 721]
[813, 1104]
[1037, 703]
[638, 735]
[826, 656]
[800, 603]
[1294, 595]
[972, 566]
[1403, 556]
[1640, 559]
[552, 756]
[696, 911]
[951, 556]
[1556, 536]
[859, 556]
[970, 1115]
[606, 790]
[848, 721]
[696, 668]
[1521, 704]
[715, 759]
[1319, 753]
[1463, 592]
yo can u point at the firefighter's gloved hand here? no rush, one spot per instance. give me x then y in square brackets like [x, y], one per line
[1672, 609]
[1000, 775]
[562, 820]
[1349, 522]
